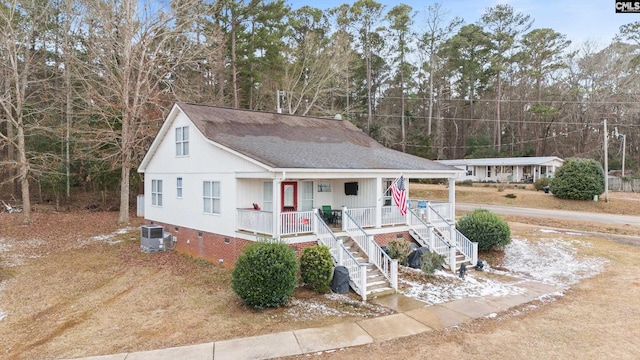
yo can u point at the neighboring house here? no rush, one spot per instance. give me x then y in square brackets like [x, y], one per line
[515, 169]
[219, 179]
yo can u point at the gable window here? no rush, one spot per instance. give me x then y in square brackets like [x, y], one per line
[211, 197]
[179, 187]
[156, 192]
[182, 141]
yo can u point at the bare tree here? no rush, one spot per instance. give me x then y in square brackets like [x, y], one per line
[133, 51]
[21, 26]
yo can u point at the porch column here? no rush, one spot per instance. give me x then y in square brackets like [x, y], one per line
[380, 195]
[276, 207]
[452, 198]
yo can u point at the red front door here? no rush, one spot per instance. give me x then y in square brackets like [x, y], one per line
[289, 194]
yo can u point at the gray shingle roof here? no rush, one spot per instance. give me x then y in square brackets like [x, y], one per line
[290, 141]
[510, 161]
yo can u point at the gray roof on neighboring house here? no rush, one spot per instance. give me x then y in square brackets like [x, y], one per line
[291, 141]
[509, 161]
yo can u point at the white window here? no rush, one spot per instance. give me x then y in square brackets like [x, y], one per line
[182, 141]
[306, 195]
[179, 187]
[267, 196]
[211, 197]
[386, 198]
[156, 192]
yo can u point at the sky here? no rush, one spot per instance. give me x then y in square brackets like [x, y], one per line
[580, 20]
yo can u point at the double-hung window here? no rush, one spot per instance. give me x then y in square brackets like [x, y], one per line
[211, 197]
[156, 192]
[182, 141]
[179, 187]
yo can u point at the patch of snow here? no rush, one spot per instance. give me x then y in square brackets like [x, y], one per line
[3, 314]
[108, 238]
[550, 231]
[300, 310]
[448, 287]
[553, 261]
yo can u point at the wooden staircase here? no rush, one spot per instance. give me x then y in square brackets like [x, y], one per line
[377, 283]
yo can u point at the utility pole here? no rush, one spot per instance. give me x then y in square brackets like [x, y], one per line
[606, 162]
[624, 146]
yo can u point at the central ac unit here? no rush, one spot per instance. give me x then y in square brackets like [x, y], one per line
[153, 238]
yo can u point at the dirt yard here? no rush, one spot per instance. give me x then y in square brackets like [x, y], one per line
[74, 285]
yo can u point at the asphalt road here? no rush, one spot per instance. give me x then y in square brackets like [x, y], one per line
[556, 214]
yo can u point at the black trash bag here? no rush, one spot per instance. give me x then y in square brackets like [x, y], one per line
[340, 281]
[414, 257]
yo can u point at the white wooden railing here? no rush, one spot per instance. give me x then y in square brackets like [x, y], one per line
[391, 216]
[365, 217]
[377, 256]
[342, 257]
[468, 248]
[296, 222]
[259, 222]
[429, 238]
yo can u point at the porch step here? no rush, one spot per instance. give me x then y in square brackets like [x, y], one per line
[377, 283]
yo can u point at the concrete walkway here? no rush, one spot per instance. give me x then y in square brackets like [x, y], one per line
[413, 318]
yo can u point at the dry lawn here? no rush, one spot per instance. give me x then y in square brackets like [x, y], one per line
[67, 294]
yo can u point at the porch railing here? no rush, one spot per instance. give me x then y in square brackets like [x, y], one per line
[342, 257]
[296, 222]
[259, 222]
[429, 238]
[377, 256]
[468, 248]
[391, 216]
[440, 223]
[365, 217]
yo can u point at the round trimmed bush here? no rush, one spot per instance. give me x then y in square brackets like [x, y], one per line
[265, 275]
[539, 184]
[486, 228]
[316, 267]
[578, 179]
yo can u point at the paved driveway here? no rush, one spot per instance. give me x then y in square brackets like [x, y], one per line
[556, 214]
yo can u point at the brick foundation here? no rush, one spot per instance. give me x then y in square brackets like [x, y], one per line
[383, 239]
[215, 248]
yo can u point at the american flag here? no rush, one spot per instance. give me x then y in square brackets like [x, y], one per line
[399, 194]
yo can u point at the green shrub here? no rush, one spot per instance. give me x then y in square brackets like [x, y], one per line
[485, 228]
[578, 179]
[430, 262]
[316, 267]
[399, 250]
[266, 274]
[539, 184]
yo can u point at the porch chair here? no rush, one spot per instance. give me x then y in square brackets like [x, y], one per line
[327, 214]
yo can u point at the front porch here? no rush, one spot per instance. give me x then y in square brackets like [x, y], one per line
[430, 224]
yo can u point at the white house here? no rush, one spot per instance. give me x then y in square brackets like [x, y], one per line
[513, 169]
[220, 178]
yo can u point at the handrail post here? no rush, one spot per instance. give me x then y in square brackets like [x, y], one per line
[340, 256]
[474, 256]
[342, 222]
[363, 282]
[394, 274]
[452, 234]
[452, 258]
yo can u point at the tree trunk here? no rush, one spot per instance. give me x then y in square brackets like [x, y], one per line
[24, 177]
